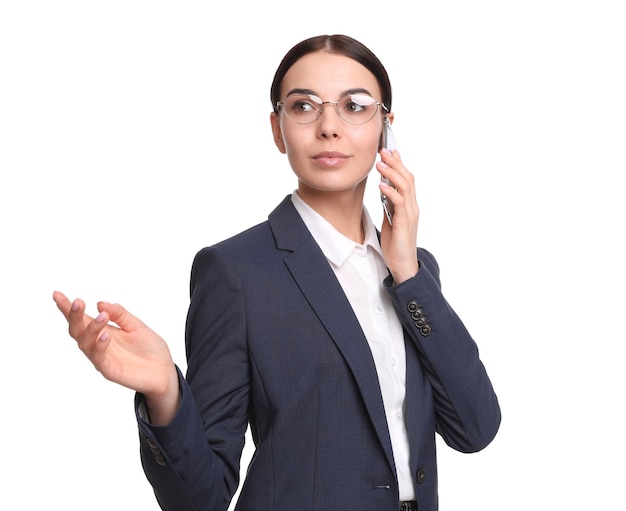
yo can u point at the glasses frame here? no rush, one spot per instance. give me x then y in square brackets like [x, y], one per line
[321, 104]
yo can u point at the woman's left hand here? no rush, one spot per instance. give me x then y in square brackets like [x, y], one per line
[399, 240]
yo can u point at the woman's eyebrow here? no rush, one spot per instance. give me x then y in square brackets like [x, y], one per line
[359, 90]
[300, 91]
[347, 92]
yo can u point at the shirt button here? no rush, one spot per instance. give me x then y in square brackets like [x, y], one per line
[378, 309]
[399, 415]
[393, 362]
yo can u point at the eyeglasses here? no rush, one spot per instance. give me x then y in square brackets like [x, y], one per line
[352, 108]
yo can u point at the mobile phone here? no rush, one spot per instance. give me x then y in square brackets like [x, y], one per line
[389, 142]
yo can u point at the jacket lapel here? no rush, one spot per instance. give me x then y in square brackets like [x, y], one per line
[311, 271]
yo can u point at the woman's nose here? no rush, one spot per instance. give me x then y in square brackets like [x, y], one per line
[329, 122]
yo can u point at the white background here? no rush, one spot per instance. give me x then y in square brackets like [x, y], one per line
[133, 133]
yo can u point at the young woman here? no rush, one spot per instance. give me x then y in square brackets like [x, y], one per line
[330, 338]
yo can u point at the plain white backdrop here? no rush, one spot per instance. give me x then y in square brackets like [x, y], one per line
[134, 133]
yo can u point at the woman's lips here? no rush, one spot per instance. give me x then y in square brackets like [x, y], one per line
[330, 158]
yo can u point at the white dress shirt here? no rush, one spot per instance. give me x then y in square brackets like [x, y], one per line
[361, 270]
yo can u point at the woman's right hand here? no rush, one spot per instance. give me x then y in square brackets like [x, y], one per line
[130, 354]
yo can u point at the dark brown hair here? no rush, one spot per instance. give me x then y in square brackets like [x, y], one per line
[341, 45]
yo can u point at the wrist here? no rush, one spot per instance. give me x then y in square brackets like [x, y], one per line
[162, 406]
[403, 275]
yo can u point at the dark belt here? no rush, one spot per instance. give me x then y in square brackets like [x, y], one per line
[409, 505]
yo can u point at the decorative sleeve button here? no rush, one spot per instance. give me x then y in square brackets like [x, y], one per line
[417, 314]
[156, 453]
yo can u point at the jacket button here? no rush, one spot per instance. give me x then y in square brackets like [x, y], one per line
[412, 306]
[417, 314]
[425, 330]
[421, 476]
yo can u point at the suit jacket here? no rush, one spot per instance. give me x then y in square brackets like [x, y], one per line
[273, 342]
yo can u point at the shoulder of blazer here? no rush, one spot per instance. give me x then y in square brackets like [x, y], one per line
[284, 224]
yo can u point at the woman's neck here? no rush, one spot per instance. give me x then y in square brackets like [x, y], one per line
[343, 210]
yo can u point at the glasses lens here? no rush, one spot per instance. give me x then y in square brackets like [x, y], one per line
[357, 108]
[302, 108]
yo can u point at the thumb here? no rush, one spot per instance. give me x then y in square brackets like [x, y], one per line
[120, 316]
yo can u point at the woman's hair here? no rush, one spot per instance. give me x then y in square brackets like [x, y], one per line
[341, 45]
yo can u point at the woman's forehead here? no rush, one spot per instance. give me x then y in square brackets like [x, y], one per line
[329, 73]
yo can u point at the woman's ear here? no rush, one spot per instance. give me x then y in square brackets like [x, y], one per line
[277, 132]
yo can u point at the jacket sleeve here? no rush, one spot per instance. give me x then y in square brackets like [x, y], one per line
[193, 462]
[466, 407]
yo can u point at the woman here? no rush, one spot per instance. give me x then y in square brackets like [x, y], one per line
[331, 339]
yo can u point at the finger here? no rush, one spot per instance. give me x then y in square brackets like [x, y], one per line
[391, 158]
[77, 319]
[73, 313]
[387, 172]
[393, 167]
[63, 303]
[394, 171]
[120, 316]
[392, 193]
[88, 338]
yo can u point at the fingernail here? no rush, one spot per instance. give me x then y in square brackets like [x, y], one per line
[75, 305]
[104, 337]
[100, 318]
[386, 151]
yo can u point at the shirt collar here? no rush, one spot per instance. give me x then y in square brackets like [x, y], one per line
[335, 246]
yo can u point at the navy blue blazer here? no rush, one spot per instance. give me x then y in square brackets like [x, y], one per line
[272, 341]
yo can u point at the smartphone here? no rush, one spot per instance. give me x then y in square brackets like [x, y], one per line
[389, 142]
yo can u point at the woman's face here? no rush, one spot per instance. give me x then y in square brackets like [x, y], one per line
[329, 155]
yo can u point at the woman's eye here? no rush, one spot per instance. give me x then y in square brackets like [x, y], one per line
[353, 107]
[302, 107]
